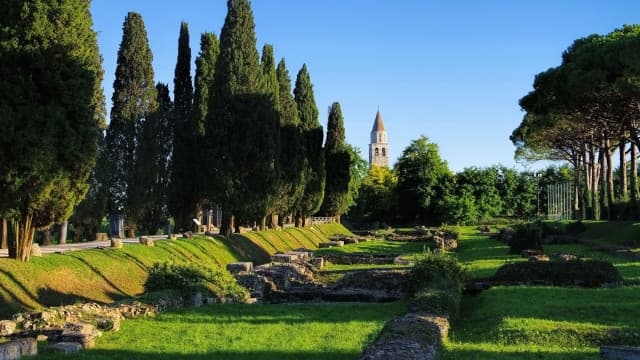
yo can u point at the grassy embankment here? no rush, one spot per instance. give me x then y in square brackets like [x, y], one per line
[110, 274]
[535, 322]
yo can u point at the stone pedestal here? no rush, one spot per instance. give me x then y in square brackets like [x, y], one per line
[144, 240]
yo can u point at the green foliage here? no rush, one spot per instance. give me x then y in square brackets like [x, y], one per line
[460, 208]
[184, 192]
[189, 279]
[337, 165]
[376, 199]
[244, 149]
[526, 236]
[436, 301]
[205, 72]
[438, 271]
[423, 179]
[293, 165]
[589, 273]
[51, 111]
[152, 183]
[134, 100]
[312, 134]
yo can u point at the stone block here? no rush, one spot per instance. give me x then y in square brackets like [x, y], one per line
[566, 257]
[536, 258]
[7, 327]
[116, 243]
[318, 262]
[351, 240]
[209, 233]
[620, 352]
[144, 240]
[285, 258]
[15, 349]
[35, 250]
[239, 267]
[82, 333]
[187, 235]
[102, 237]
[66, 347]
[172, 236]
[302, 255]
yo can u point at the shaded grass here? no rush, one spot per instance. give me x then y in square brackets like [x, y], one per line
[238, 332]
[481, 255]
[378, 247]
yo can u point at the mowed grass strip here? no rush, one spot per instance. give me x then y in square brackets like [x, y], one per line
[239, 332]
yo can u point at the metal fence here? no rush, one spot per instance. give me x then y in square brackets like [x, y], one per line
[559, 201]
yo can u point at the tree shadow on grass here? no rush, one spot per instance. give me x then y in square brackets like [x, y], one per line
[455, 354]
[245, 249]
[221, 354]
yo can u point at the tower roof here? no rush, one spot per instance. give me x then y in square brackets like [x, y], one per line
[378, 125]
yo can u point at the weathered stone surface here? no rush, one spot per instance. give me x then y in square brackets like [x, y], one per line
[303, 255]
[390, 281]
[108, 323]
[7, 327]
[240, 267]
[116, 243]
[284, 276]
[172, 236]
[566, 257]
[535, 258]
[318, 262]
[209, 233]
[102, 237]
[330, 244]
[187, 235]
[82, 333]
[412, 336]
[400, 260]
[444, 243]
[620, 352]
[144, 240]
[15, 349]
[285, 258]
[66, 347]
[35, 250]
[360, 258]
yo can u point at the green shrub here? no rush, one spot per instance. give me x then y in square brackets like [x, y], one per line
[188, 279]
[589, 273]
[526, 236]
[562, 228]
[436, 271]
[436, 301]
[450, 231]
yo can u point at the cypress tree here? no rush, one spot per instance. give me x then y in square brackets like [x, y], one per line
[134, 100]
[313, 134]
[268, 65]
[184, 191]
[337, 165]
[154, 146]
[51, 111]
[205, 72]
[243, 121]
[292, 158]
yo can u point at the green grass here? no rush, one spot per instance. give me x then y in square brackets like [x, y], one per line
[239, 332]
[111, 274]
[532, 322]
[481, 255]
[625, 233]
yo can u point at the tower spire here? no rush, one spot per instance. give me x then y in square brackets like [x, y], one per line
[378, 148]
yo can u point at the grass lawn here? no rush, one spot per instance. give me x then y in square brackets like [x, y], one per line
[378, 247]
[235, 332]
[534, 322]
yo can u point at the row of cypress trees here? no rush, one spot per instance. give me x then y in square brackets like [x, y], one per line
[241, 139]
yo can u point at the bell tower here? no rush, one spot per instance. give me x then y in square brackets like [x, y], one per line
[378, 147]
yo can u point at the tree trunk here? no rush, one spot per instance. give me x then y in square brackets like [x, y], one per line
[47, 236]
[624, 191]
[604, 184]
[586, 201]
[4, 244]
[63, 232]
[23, 232]
[634, 179]
[576, 189]
[610, 195]
[299, 220]
[595, 185]
[263, 223]
[227, 225]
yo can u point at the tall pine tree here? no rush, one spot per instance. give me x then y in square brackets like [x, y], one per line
[337, 166]
[154, 147]
[311, 201]
[51, 111]
[292, 156]
[184, 191]
[134, 100]
[241, 123]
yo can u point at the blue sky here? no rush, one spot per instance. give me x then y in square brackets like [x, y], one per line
[450, 70]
